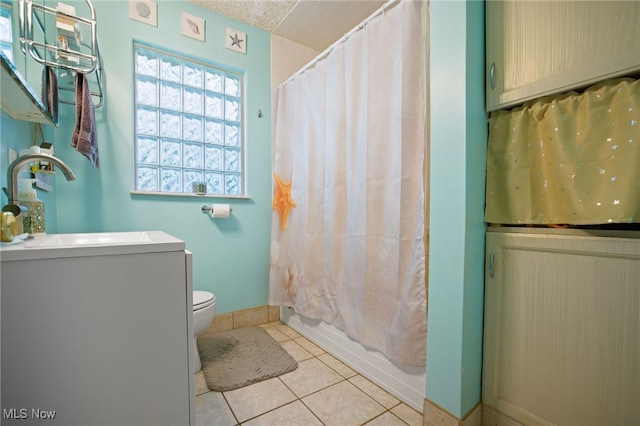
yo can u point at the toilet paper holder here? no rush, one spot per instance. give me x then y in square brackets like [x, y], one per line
[208, 209]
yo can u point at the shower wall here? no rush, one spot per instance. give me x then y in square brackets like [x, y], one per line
[287, 57]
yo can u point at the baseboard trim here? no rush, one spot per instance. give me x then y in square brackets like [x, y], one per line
[434, 415]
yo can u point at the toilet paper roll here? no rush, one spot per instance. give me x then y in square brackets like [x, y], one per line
[220, 211]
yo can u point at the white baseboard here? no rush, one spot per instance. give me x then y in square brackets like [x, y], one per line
[407, 383]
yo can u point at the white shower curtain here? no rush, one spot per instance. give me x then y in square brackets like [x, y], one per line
[350, 138]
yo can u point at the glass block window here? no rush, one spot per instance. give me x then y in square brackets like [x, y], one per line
[188, 124]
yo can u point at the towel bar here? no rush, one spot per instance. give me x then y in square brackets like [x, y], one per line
[73, 53]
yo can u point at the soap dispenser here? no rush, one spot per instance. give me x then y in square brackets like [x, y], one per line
[34, 219]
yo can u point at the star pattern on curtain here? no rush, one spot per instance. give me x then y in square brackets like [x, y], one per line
[570, 158]
[282, 201]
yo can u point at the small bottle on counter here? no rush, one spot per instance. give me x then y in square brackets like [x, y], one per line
[34, 218]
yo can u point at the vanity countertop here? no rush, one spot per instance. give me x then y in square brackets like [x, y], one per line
[89, 244]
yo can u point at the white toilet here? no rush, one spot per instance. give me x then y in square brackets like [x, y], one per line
[204, 309]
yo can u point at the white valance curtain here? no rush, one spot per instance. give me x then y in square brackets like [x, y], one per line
[349, 137]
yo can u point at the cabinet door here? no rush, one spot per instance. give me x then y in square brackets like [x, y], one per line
[537, 48]
[562, 329]
[97, 340]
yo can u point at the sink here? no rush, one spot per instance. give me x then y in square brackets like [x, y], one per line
[90, 239]
[89, 244]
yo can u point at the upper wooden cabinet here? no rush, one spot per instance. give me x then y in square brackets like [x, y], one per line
[537, 48]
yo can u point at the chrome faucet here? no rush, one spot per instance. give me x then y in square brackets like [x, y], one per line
[16, 165]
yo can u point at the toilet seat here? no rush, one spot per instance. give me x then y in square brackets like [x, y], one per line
[202, 299]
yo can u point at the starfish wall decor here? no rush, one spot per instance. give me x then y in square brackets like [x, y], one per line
[235, 40]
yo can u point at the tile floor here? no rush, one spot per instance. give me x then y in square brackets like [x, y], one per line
[321, 391]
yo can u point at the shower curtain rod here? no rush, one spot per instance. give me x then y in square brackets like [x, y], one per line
[342, 39]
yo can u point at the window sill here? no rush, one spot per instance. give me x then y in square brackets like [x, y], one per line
[181, 194]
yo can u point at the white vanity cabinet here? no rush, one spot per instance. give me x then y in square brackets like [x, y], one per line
[537, 48]
[562, 326]
[97, 330]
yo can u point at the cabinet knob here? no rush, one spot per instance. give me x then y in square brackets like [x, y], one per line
[492, 76]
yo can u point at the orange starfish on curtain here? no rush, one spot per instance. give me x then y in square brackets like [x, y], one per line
[282, 201]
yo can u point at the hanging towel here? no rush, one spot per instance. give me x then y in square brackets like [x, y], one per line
[85, 138]
[50, 90]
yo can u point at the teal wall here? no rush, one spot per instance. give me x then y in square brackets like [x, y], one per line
[456, 247]
[230, 257]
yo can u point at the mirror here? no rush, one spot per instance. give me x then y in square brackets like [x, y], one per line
[21, 77]
[18, 98]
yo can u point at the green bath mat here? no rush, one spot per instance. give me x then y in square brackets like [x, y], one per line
[237, 358]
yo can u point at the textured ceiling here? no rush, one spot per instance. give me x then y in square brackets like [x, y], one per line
[312, 23]
[264, 14]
